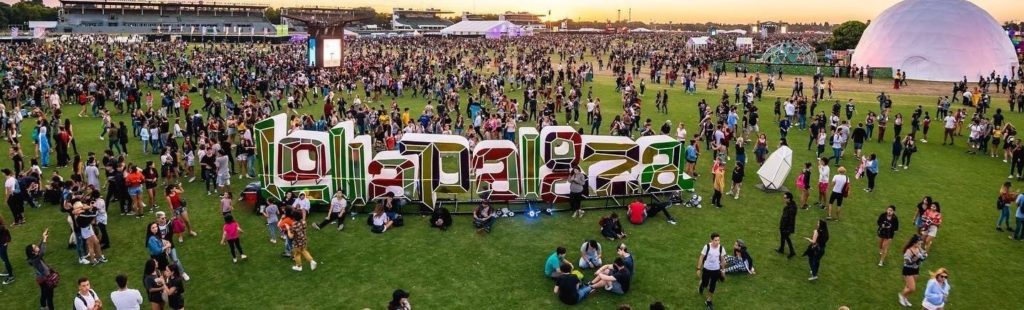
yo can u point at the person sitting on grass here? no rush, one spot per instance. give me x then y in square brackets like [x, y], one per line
[483, 217]
[741, 260]
[568, 288]
[614, 278]
[638, 212]
[555, 260]
[590, 255]
[440, 218]
[611, 228]
[379, 221]
[627, 257]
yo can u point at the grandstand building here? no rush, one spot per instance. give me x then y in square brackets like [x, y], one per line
[526, 20]
[316, 13]
[158, 17]
[419, 20]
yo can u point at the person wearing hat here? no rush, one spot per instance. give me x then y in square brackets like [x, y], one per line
[339, 206]
[399, 300]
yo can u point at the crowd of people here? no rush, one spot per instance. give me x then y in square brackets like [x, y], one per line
[482, 89]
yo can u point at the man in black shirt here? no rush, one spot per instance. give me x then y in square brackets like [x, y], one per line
[614, 278]
[859, 134]
[567, 286]
[208, 163]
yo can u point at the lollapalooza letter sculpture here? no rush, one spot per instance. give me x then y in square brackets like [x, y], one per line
[426, 165]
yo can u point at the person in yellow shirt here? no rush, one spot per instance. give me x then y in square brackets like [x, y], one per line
[718, 169]
[384, 118]
[406, 118]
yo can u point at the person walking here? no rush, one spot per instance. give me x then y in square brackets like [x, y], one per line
[46, 277]
[888, 224]
[897, 151]
[913, 255]
[936, 294]
[871, 170]
[297, 235]
[231, 237]
[816, 250]
[787, 224]
[710, 268]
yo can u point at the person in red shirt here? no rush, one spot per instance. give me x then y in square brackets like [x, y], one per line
[638, 212]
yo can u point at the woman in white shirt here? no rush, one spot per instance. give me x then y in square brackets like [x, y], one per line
[823, 174]
[681, 132]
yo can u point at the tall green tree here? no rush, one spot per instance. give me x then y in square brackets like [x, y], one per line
[847, 35]
[273, 15]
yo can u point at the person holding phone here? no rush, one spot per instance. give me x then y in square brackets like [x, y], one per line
[46, 277]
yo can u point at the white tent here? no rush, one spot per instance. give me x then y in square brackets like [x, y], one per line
[736, 31]
[742, 42]
[936, 40]
[636, 30]
[589, 30]
[697, 42]
[491, 29]
[774, 171]
[350, 33]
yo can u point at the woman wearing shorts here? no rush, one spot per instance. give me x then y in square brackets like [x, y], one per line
[805, 188]
[913, 255]
[823, 174]
[931, 220]
[150, 175]
[174, 199]
[888, 224]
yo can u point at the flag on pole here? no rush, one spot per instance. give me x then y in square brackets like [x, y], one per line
[192, 30]
[14, 32]
[158, 29]
[252, 31]
[265, 31]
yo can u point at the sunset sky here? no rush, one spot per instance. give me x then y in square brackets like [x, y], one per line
[731, 11]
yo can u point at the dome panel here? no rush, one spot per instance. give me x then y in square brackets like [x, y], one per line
[936, 40]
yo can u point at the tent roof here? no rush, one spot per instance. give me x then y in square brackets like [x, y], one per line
[744, 41]
[698, 40]
[478, 26]
[641, 29]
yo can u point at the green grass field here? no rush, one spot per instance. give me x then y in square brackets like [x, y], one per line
[460, 269]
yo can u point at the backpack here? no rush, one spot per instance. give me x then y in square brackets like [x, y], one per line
[79, 297]
[800, 182]
[721, 256]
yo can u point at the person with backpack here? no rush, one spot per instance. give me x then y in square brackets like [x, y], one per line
[710, 267]
[86, 299]
[803, 183]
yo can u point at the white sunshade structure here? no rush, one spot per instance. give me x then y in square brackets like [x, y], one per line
[697, 42]
[640, 30]
[492, 29]
[744, 42]
[936, 40]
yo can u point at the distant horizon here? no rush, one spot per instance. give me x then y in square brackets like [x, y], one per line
[660, 11]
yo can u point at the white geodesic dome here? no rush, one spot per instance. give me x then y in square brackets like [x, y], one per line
[936, 40]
